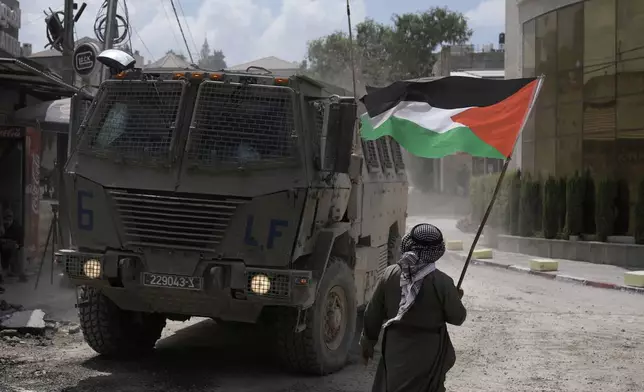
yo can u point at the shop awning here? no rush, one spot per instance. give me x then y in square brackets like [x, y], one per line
[22, 74]
[54, 113]
[52, 116]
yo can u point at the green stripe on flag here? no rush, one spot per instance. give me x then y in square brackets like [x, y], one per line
[426, 143]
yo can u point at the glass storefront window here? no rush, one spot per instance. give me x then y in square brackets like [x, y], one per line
[545, 122]
[630, 76]
[599, 157]
[630, 121]
[569, 118]
[599, 34]
[529, 49]
[546, 44]
[570, 85]
[599, 121]
[568, 155]
[630, 47]
[544, 156]
[599, 49]
[630, 29]
[528, 130]
[527, 156]
[570, 37]
[548, 93]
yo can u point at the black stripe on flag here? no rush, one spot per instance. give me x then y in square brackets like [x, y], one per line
[452, 92]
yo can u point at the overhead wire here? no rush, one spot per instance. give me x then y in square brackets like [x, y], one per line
[129, 25]
[143, 43]
[167, 16]
[174, 9]
[192, 38]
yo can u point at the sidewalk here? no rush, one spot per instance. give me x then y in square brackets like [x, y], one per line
[57, 300]
[589, 274]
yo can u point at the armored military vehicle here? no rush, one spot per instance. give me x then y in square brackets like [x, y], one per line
[238, 196]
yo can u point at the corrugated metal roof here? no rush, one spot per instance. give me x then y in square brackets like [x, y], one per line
[46, 53]
[14, 71]
[167, 62]
[271, 63]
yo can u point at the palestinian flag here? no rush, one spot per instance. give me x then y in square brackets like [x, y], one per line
[433, 119]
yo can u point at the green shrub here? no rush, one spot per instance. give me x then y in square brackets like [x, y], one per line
[529, 208]
[623, 204]
[561, 197]
[550, 210]
[639, 215]
[537, 197]
[513, 183]
[574, 205]
[490, 182]
[475, 198]
[605, 208]
[589, 203]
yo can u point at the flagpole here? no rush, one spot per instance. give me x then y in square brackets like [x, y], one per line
[351, 52]
[488, 211]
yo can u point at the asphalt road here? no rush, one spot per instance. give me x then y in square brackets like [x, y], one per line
[523, 333]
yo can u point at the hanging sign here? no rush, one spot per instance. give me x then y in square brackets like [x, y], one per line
[85, 58]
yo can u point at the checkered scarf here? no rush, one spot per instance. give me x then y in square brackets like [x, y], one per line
[421, 248]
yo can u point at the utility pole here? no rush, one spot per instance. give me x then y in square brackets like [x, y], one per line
[111, 32]
[63, 141]
[68, 42]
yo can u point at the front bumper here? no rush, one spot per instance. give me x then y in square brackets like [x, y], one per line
[226, 292]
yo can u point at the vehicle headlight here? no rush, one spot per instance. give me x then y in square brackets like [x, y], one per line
[260, 284]
[92, 269]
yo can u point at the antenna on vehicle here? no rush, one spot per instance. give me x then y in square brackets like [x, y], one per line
[353, 64]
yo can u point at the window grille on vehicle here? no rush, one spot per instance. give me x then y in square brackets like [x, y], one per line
[133, 119]
[370, 154]
[396, 151]
[385, 154]
[240, 124]
[317, 110]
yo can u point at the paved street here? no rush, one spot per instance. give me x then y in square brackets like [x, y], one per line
[523, 333]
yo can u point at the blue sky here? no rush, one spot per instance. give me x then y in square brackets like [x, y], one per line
[249, 29]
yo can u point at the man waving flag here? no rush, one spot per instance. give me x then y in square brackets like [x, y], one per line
[433, 119]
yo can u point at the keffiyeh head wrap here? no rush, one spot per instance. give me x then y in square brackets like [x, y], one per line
[421, 248]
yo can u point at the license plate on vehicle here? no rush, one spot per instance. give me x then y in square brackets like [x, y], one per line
[172, 281]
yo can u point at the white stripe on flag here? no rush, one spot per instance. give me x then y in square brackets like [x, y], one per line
[421, 113]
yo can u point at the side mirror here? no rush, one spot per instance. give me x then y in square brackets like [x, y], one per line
[338, 134]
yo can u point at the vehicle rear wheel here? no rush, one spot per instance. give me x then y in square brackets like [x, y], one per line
[113, 332]
[323, 347]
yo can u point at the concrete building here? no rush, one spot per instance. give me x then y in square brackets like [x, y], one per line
[589, 113]
[10, 19]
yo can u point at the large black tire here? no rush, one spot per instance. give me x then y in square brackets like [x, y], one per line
[113, 332]
[309, 351]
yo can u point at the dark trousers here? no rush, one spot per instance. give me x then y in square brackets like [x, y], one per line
[10, 258]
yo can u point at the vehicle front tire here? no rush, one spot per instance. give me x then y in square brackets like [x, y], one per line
[323, 347]
[113, 332]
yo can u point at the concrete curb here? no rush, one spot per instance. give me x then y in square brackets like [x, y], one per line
[553, 276]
